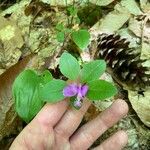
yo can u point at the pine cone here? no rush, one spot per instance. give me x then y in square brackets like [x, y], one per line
[124, 62]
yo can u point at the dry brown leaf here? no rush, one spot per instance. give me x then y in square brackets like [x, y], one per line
[141, 104]
[10, 43]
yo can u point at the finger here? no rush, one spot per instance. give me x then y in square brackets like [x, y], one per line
[71, 120]
[39, 132]
[51, 113]
[116, 142]
[87, 134]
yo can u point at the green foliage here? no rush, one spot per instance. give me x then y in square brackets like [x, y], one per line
[81, 38]
[69, 66]
[60, 36]
[53, 91]
[92, 70]
[100, 90]
[72, 10]
[73, 18]
[31, 90]
[60, 27]
[46, 76]
[61, 32]
[26, 92]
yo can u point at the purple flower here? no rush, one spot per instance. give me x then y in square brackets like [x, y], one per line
[78, 90]
[70, 90]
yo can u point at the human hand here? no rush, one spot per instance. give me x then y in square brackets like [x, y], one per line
[54, 128]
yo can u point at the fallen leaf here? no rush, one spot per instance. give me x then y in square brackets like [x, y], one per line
[141, 104]
[10, 42]
[113, 21]
[132, 6]
[101, 2]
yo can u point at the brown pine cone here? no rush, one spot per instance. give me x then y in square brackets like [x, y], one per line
[124, 62]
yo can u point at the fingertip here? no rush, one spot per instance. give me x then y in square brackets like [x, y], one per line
[123, 137]
[116, 142]
[121, 106]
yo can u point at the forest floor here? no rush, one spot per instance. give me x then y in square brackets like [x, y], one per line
[33, 34]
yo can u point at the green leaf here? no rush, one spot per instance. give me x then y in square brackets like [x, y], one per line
[45, 77]
[100, 89]
[53, 91]
[81, 38]
[92, 70]
[69, 66]
[67, 30]
[60, 27]
[60, 36]
[72, 10]
[26, 95]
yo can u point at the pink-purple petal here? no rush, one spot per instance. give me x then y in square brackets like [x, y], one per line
[70, 90]
[79, 92]
[84, 90]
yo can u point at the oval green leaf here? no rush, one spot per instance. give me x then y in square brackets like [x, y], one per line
[53, 91]
[92, 70]
[81, 38]
[46, 77]
[100, 90]
[26, 95]
[69, 66]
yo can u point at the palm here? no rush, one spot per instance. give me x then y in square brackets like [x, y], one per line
[55, 128]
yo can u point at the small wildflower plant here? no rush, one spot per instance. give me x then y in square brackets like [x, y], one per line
[31, 90]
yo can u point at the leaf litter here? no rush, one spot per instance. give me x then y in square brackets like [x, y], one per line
[33, 31]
